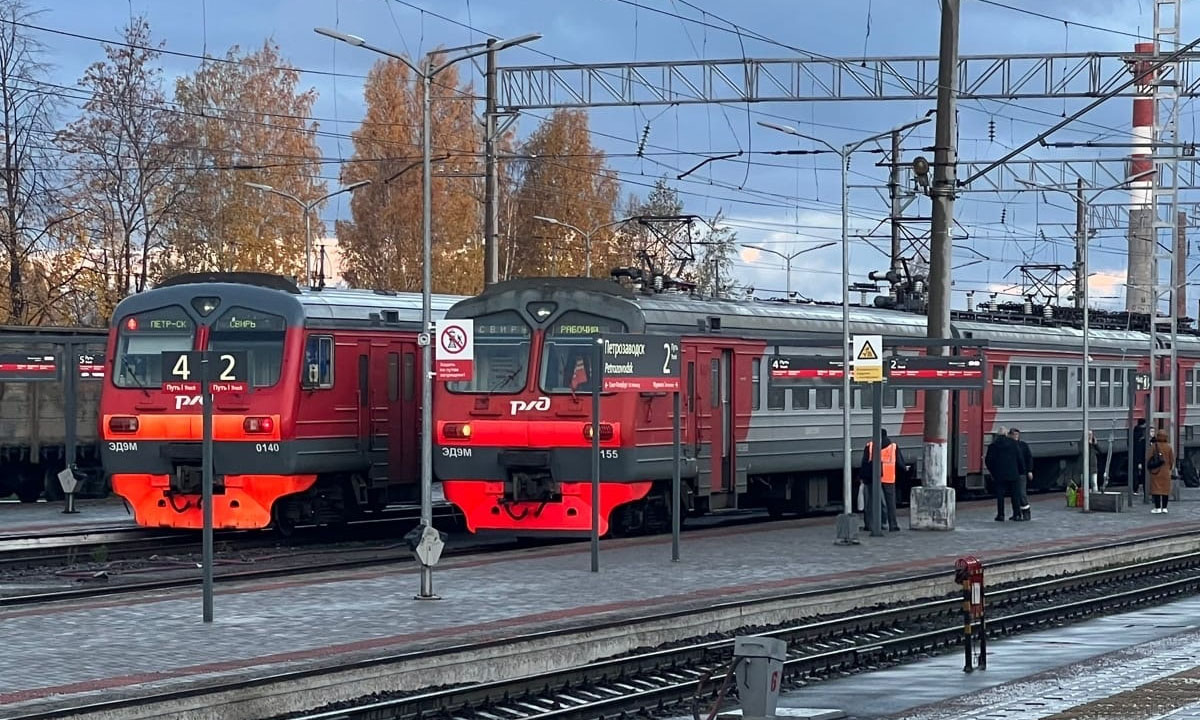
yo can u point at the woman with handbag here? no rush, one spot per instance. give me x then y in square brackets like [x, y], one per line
[1160, 464]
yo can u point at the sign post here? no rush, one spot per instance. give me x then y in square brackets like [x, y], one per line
[634, 363]
[868, 368]
[207, 372]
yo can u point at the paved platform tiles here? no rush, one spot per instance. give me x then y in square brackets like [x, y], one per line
[18, 518]
[156, 642]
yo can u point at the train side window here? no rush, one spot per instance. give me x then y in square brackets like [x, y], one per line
[1118, 387]
[408, 383]
[889, 396]
[1014, 386]
[1047, 398]
[714, 381]
[910, 398]
[1031, 386]
[1060, 387]
[755, 384]
[776, 397]
[691, 386]
[318, 362]
[1105, 387]
[824, 398]
[1091, 395]
[393, 373]
[800, 399]
[998, 373]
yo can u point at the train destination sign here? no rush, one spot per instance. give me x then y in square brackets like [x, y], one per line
[228, 371]
[640, 363]
[797, 371]
[27, 368]
[90, 366]
[967, 373]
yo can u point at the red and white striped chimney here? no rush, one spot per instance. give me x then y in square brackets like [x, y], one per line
[1140, 276]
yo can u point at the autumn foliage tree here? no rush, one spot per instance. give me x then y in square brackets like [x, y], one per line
[124, 166]
[242, 119]
[381, 244]
[561, 176]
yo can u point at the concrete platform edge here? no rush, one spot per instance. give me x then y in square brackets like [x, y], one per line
[299, 688]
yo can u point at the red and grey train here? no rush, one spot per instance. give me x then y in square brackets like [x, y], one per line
[513, 444]
[328, 427]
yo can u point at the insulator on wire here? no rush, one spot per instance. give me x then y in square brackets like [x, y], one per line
[642, 143]
[991, 129]
[1003, 214]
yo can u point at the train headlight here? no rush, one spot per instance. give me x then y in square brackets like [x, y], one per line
[258, 424]
[123, 424]
[458, 431]
[606, 431]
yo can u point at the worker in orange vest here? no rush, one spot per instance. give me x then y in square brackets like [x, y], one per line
[892, 459]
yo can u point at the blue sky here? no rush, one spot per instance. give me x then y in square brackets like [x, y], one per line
[788, 202]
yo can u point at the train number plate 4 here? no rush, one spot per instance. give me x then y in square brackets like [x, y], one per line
[266, 447]
[122, 447]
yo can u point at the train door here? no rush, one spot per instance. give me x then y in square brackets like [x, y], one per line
[691, 403]
[728, 478]
[363, 361]
[719, 409]
[403, 420]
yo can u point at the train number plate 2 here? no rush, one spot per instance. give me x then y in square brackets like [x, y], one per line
[266, 447]
[122, 447]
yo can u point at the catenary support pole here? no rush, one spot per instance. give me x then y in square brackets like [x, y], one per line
[206, 489]
[894, 196]
[846, 528]
[933, 504]
[491, 214]
[1081, 282]
[676, 500]
[426, 590]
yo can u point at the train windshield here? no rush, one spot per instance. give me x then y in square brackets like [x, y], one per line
[141, 340]
[259, 334]
[502, 342]
[567, 353]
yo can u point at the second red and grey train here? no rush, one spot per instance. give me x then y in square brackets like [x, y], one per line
[513, 444]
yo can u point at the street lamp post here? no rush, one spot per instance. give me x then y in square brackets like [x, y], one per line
[846, 529]
[587, 237]
[427, 73]
[308, 208]
[787, 259]
[1081, 286]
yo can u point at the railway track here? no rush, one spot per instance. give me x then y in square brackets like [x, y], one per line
[684, 679]
[105, 544]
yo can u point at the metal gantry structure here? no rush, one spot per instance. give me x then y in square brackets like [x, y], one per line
[1169, 86]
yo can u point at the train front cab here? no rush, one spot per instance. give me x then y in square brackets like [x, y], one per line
[152, 440]
[513, 445]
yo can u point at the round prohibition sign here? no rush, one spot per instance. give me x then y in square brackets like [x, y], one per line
[454, 339]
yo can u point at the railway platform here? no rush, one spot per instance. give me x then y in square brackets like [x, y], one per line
[17, 518]
[351, 624]
[1135, 665]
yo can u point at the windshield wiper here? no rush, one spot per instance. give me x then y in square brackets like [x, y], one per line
[125, 364]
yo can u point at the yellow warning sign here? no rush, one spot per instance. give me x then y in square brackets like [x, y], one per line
[868, 362]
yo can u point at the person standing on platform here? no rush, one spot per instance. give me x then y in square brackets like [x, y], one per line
[1020, 490]
[1003, 462]
[1139, 455]
[891, 457]
[1093, 450]
[1160, 465]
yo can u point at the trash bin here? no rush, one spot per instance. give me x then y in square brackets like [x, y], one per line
[759, 673]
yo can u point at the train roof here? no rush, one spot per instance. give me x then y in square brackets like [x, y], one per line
[679, 313]
[327, 307]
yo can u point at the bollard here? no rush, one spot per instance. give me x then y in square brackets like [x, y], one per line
[968, 572]
[67, 480]
[759, 674]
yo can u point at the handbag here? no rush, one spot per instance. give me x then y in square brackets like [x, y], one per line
[1157, 460]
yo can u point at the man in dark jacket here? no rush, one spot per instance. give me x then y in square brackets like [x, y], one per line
[1139, 456]
[1020, 494]
[1004, 463]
